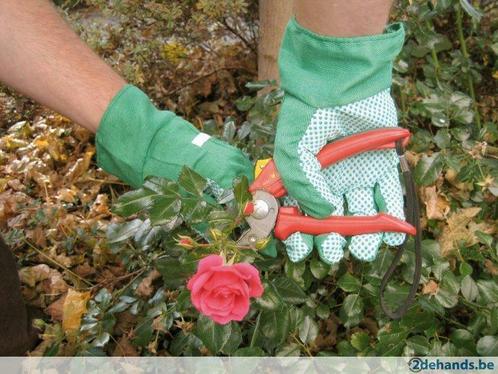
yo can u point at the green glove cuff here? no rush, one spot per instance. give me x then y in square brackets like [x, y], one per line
[135, 140]
[325, 71]
[125, 133]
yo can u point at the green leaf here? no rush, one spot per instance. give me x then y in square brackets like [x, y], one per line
[419, 344]
[289, 290]
[272, 328]
[289, 350]
[428, 169]
[319, 269]
[462, 338]
[175, 271]
[349, 283]
[308, 330]
[447, 294]
[241, 192]
[443, 138]
[249, 352]
[392, 340]
[465, 269]
[191, 181]
[488, 291]
[352, 310]
[164, 209]
[216, 337]
[118, 232]
[360, 341]
[270, 300]
[323, 311]
[487, 346]
[133, 202]
[469, 288]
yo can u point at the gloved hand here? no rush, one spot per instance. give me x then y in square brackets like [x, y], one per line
[335, 87]
[136, 140]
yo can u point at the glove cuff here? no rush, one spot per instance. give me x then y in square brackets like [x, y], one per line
[325, 71]
[125, 133]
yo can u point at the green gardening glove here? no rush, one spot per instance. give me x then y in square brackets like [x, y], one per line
[335, 87]
[136, 140]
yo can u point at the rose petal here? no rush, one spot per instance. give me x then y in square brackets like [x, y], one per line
[253, 278]
[209, 262]
[222, 277]
[240, 308]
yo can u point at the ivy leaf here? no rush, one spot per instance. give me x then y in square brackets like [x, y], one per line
[419, 344]
[428, 169]
[488, 291]
[447, 294]
[469, 288]
[487, 346]
[349, 283]
[319, 269]
[191, 181]
[216, 337]
[289, 350]
[308, 330]
[360, 341]
[392, 339]
[352, 310]
[272, 328]
[249, 352]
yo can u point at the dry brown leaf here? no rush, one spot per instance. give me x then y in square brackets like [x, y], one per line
[54, 284]
[436, 205]
[430, 288]
[490, 267]
[80, 166]
[31, 275]
[124, 348]
[457, 230]
[55, 310]
[73, 309]
[145, 287]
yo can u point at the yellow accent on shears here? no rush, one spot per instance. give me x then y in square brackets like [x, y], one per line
[260, 165]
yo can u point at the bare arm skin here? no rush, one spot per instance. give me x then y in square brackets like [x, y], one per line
[343, 18]
[41, 57]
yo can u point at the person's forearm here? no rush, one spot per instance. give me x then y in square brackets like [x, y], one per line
[343, 18]
[41, 57]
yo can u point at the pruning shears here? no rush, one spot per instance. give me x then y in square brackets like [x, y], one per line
[264, 214]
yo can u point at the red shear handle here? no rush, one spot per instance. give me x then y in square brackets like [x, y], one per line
[289, 221]
[269, 179]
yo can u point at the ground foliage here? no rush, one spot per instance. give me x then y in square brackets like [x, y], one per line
[108, 266]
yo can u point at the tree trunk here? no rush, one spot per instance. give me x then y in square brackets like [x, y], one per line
[273, 17]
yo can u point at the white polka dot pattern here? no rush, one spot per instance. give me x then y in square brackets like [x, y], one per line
[353, 179]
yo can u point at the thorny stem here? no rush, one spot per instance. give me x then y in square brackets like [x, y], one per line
[465, 53]
[437, 66]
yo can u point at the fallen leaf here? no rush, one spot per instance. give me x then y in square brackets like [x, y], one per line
[430, 288]
[124, 348]
[73, 309]
[436, 205]
[490, 267]
[145, 287]
[55, 310]
[31, 275]
[456, 230]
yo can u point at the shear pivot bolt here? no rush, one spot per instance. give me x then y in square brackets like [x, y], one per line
[261, 209]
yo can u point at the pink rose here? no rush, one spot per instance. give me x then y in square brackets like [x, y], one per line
[222, 292]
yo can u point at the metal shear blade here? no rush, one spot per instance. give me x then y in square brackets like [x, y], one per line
[262, 220]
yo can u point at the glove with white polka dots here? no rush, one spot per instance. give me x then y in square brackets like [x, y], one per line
[336, 87]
